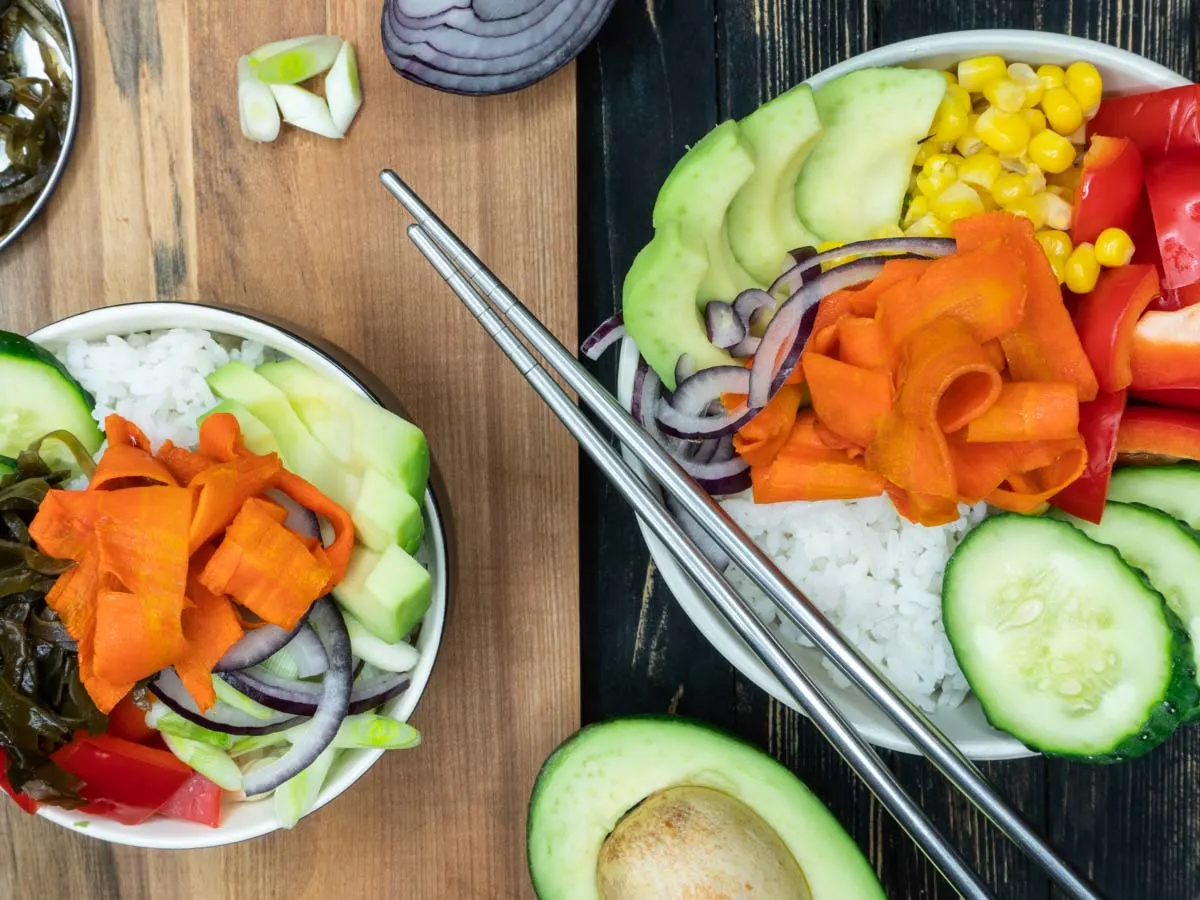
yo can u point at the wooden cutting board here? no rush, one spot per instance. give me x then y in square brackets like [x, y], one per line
[164, 199]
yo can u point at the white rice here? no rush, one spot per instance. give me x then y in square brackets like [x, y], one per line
[876, 576]
[156, 379]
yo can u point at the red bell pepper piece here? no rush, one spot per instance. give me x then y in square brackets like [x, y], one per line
[1160, 123]
[1185, 397]
[1158, 434]
[1099, 423]
[1177, 298]
[128, 722]
[1174, 189]
[199, 800]
[1166, 349]
[26, 803]
[122, 780]
[1109, 189]
[1105, 320]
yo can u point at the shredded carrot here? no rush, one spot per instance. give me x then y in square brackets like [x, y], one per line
[862, 342]
[848, 400]
[806, 469]
[763, 437]
[164, 544]
[1029, 411]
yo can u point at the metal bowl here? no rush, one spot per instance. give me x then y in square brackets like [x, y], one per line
[32, 66]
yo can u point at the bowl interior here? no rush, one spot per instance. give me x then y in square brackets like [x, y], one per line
[1123, 72]
[242, 821]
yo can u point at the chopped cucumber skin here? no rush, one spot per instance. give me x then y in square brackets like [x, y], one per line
[1174, 489]
[40, 396]
[1104, 613]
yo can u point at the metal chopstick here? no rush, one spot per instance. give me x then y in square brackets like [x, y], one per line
[708, 514]
[736, 611]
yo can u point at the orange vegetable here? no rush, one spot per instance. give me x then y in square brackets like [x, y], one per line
[945, 376]
[126, 466]
[1044, 346]
[221, 490]
[912, 455]
[762, 437]
[210, 627]
[925, 509]
[183, 464]
[806, 469]
[310, 498]
[1028, 492]
[1029, 411]
[848, 400]
[122, 432]
[861, 342]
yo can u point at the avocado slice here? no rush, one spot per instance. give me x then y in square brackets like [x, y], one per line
[763, 223]
[658, 302]
[855, 178]
[697, 195]
[588, 787]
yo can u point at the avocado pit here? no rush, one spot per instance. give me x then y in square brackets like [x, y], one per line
[697, 842]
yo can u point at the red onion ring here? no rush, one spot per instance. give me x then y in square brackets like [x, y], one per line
[925, 248]
[724, 326]
[609, 333]
[167, 687]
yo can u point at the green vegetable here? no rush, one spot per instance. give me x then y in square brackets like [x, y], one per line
[342, 89]
[213, 764]
[368, 731]
[240, 701]
[290, 62]
[295, 798]
[163, 719]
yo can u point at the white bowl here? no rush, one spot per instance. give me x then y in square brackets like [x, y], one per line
[1123, 72]
[243, 821]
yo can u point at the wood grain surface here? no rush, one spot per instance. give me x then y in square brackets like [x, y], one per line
[164, 199]
[662, 74]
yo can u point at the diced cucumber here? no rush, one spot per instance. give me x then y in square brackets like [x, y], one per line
[1173, 489]
[39, 396]
[1163, 548]
[257, 437]
[1066, 646]
[386, 514]
[387, 592]
[358, 432]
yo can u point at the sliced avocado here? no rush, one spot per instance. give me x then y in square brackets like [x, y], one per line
[856, 176]
[388, 592]
[763, 223]
[697, 195]
[385, 513]
[584, 828]
[300, 451]
[659, 305]
[257, 437]
[360, 433]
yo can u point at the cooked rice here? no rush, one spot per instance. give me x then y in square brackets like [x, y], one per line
[876, 576]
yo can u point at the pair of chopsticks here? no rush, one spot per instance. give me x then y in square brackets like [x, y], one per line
[488, 300]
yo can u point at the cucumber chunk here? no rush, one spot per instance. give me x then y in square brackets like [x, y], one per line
[1165, 549]
[1173, 489]
[39, 396]
[1067, 647]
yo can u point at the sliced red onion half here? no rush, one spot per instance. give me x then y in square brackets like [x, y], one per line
[301, 697]
[724, 326]
[609, 333]
[802, 254]
[731, 476]
[686, 415]
[925, 248]
[256, 645]
[306, 654]
[167, 687]
[487, 46]
[331, 709]
[302, 521]
[785, 327]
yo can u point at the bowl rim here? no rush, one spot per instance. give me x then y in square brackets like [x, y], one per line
[961, 44]
[123, 319]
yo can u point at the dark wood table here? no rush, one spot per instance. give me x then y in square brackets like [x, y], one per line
[662, 73]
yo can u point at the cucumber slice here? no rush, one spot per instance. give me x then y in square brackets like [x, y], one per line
[1173, 489]
[40, 396]
[1165, 549]
[1067, 647]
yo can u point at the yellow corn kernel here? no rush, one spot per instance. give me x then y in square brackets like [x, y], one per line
[950, 77]
[950, 122]
[836, 261]
[1055, 244]
[981, 170]
[1062, 110]
[1085, 84]
[928, 225]
[1030, 209]
[1051, 151]
[1056, 212]
[826, 246]
[959, 201]
[1114, 248]
[1082, 270]
[1024, 75]
[974, 74]
[926, 149]
[1068, 179]
[969, 144]
[1051, 76]
[917, 207]
[959, 95]
[1009, 188]
[1004, 132]
[1034, 178]
[1005, 94]
[887, 231]
[937, 174]
[1036, 119]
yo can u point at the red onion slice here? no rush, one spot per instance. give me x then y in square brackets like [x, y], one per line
[686, 416]
[257, 645]
[925, 248]
[301, 697]
[749, 305]
[609, 333]
[685, 368]
[302, 521]
[167, 687]
[331, 710]
[460, 16]
[724, 326]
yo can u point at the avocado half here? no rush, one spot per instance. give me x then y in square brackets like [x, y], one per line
[593, 786]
